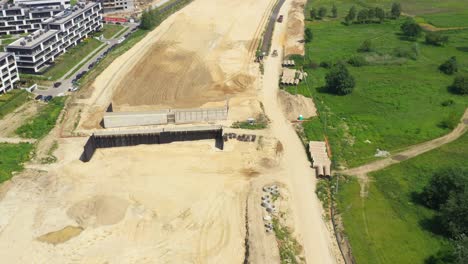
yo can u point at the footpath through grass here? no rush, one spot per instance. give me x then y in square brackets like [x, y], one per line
[12, 100]
[109, 30]
[397, 100]
[40, 125]
[12, 158]
[389, 226]
[72, 57]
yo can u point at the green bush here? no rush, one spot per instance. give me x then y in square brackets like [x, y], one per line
[450, 66]
[436, 39]
[411, 29]
[460, 84]
[339, 81]
[357, 61]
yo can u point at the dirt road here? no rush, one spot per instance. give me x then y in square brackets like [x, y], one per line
[309, 225]
[411, 152]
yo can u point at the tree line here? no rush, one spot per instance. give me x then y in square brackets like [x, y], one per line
[372, 15]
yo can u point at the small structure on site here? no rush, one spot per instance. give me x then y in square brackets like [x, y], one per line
[320, 159]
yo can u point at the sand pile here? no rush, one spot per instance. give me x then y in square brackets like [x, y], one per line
[99, 210]
[295, 105]
[295, 29]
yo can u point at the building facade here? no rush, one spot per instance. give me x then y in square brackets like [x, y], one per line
[114, 6]
[8, 72]
[26, 16]
[35, 52]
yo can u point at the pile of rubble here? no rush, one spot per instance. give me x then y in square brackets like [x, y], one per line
[270, 208]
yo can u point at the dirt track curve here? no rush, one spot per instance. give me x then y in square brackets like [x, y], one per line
[413, 151]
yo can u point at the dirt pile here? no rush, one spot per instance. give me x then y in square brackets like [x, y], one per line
[99, 210]
[295, 105]
[295, 29]
[61, 236]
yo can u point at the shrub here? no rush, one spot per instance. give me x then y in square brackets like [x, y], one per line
[308, 36]
[436, 39]
[406, 52]
[326, 64]
[322, 12]
[366, 46]
[396, 10]
[312, 65]
[460, 84]
[357, 61]
[450, 66]
[339, 80]
[448, 102]
[450, 122]
[411, 29]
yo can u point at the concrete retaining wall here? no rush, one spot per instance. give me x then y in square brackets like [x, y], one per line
[110, 139]
[200, 115]
[126, 119]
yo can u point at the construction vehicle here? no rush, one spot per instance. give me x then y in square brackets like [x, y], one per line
[280, 19]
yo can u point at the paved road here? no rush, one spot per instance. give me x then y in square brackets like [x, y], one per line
[67, 83]
[309, 225]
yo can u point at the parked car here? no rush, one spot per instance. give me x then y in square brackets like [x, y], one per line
[280, 19]
[73, 89]
[57, 84]
[90, 66]
[48, 98]
[39, 97]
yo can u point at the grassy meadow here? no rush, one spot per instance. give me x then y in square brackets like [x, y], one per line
[12, 157]
[397, 100]
[390, 226]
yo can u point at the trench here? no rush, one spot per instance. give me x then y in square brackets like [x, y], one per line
[246, 240]
[162, 136]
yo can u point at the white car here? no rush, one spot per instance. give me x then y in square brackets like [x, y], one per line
[73, 89]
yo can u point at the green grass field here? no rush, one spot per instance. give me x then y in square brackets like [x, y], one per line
[109, 30]
[396, 102]
[388, 226]
[12, 157]
[72, 57]
[40, 125]
[12, 100]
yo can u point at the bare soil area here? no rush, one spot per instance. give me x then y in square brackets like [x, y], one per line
[295, 105]
[295, 29]
[178, 203]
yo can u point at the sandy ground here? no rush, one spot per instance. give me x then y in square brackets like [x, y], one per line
[295, 29]
[200, 55]
[175, 203]
[295, 105]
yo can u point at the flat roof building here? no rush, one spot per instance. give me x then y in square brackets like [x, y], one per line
[8, 72]
[26, 16]
[66, 29]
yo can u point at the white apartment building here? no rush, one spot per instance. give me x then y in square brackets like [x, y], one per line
[26, 16]
[35, 52]
[113, 6]
[8, 72]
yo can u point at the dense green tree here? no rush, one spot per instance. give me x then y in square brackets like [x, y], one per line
[454, 213]
[396, 10]
[334, 11]
[313, 13]
[460, 84]
[363, 16]
[322, 12]
[411, 29]
[146, 20]
[308, 36]
[450, 66]
[436, 39]
[339, 81]
[442, 184]
[351, 15]
[379, 14]
[366, 46]
[371, 13]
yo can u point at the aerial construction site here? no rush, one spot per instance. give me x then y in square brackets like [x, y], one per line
[215, 193]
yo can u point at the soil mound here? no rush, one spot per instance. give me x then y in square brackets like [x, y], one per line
[99, 210]
[295, 105]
